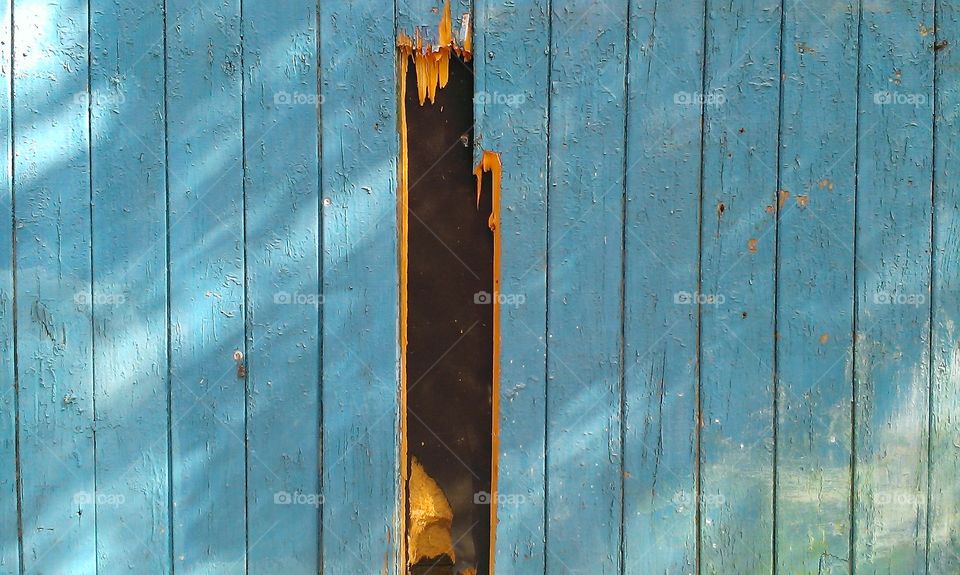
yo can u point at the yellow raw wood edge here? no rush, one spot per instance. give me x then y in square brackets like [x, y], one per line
[402, 61]
[490, 162]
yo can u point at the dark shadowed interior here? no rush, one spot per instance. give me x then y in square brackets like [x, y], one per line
[450, 312]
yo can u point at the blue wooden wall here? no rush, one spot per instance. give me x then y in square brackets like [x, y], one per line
[735, 227]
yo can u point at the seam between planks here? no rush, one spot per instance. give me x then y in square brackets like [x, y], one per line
[169, 334]
[930, 333]
[245, 362]
[623, 293]
[698, 416]
[547, 277]
[856, 302]
[320, 311]
[93, 305]
[11, 165]
[776, 299]
[402, 201]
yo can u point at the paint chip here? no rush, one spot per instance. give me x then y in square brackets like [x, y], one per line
[752, 246]
[782, 197]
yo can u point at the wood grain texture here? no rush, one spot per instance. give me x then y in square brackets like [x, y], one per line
[512, 67]
[128, 297]
[741, 100]
[892, 377]
[662, 265]
[815, 286]
[283, 298]
[361, 367]
[55, 336]
[9, 510]
[944, 501]
[585, 275]
[206, 237]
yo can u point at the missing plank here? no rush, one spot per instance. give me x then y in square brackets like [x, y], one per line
[449, 220]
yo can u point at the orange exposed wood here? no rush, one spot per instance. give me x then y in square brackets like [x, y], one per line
[405, 46]
[490, 162]
[433, 62]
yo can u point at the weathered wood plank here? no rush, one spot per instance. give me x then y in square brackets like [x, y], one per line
[360, 336]
[54, 331]
[511, 113]
[283, 298]
[662, 267]
[944, 501]
[9, 537]
[742, 80]
[815, 286]
[585, 265]
[204, 131]
[129, 291]
[893, 273]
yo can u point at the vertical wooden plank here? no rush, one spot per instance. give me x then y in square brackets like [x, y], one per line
[587, 116]
[54, 333]
[282, 242]
[204, 139]
[9, 536]
[815, 286]
[511, 102]
[129, 291]
[662, 267]
[742, 80]
[944, 502]
[360, 395]
[893, 291]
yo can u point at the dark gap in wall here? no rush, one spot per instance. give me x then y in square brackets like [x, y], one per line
[449, 324]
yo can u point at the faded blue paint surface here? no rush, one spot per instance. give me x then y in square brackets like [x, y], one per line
[52, 256]
[944, 502]
[584, 483]
[734, 227]
[282, 206]
[360, 333]
[738, 254]
[815, 287]
[512, 70]
[204, 129]
[892, 320]
[128, 292]
[660, 277]
[9, 540]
